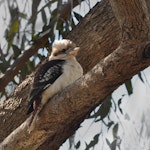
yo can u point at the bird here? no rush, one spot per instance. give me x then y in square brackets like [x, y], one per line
[61, 70]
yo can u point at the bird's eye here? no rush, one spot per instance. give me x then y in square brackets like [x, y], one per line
[59, 52]
[63, 50]
[55, 54]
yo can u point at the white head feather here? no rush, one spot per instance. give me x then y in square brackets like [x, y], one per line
[61, 45]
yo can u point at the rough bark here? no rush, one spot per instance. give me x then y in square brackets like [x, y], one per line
[98, 35]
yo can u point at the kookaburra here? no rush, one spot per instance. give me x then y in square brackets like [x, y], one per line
[58, 72]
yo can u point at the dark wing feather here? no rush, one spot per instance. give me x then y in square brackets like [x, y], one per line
[45, 75]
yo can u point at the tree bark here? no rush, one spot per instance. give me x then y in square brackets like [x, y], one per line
[98, 35]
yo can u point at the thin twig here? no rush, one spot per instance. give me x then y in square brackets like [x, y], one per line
[21, 60]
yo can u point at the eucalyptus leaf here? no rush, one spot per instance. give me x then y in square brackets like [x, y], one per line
[93, 142]
[115, 130]
[129, 87]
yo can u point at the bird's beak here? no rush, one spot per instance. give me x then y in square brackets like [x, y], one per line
[74, 51]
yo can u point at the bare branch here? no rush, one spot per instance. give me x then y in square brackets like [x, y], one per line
[20, 61]
[133, 18]
[64, 10]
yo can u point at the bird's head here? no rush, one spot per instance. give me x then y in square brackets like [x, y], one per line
[64, 49]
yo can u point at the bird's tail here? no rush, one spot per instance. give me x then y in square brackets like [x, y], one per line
[32, 122]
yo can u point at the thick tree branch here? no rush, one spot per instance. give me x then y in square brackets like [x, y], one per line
[133, 18]
[63, 115]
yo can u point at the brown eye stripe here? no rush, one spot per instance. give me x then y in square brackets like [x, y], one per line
[59, 52]
[63, 50]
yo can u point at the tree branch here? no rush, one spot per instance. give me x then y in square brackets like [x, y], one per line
[65, 9]
[133, 18]
[100, 22]
[63, 115]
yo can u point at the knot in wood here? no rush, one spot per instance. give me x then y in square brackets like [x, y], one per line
[146, 52]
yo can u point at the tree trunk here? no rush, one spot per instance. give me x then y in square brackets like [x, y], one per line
[98, 35]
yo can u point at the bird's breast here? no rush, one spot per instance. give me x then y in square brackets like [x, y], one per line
[71, 72]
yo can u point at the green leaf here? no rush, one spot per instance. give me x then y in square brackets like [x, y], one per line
[44, 18]
[10, 34]
[119, 103]
[112, 145]
[115, 130]
[59, 25]
[140, 76]
[14, 28]
[103, 110]
[30, 66]
[35, 37]
[110, 124]
[73, 24]
[127, 117]
[93, 142]
[129, 87]
[2, 68]
[16, 50]
[77, 16]
[108, 143]
[24, 39]
[23, 15]
[78, 145]
[23, 73]
[53, 14]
